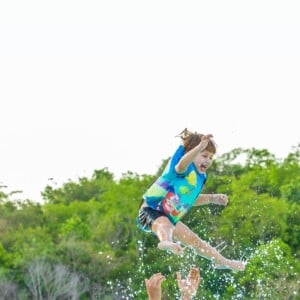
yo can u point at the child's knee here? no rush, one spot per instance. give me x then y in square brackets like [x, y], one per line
[162, 223]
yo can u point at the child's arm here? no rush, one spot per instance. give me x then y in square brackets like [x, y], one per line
[189, 157]
[203, 199]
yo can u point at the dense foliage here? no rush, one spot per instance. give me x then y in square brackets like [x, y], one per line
[82, 242]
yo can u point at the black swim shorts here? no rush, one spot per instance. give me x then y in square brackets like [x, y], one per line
[146, 218]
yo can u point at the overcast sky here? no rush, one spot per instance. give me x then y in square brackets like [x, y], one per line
[93, 84]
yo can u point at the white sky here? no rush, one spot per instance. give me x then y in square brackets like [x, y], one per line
[91, 84]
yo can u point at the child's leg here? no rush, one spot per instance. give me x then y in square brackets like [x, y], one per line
[189, 238]
[163, 228]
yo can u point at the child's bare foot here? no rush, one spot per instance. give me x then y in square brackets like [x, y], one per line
[235, 265]
[170, 246]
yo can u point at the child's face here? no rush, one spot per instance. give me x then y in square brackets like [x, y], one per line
[203, 161]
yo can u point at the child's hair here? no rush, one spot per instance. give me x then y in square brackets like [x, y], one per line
[192, 139]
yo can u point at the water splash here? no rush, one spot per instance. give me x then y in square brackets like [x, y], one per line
[259, 281]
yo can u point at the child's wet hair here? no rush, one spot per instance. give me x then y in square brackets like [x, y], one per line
[192, 139]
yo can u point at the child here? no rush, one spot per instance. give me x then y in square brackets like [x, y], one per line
[174, 193]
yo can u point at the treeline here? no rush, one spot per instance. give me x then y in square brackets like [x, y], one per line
[82, 242]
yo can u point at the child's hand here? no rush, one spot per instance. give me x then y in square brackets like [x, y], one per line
[204, 141]
[207, 137]
[220, 199]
